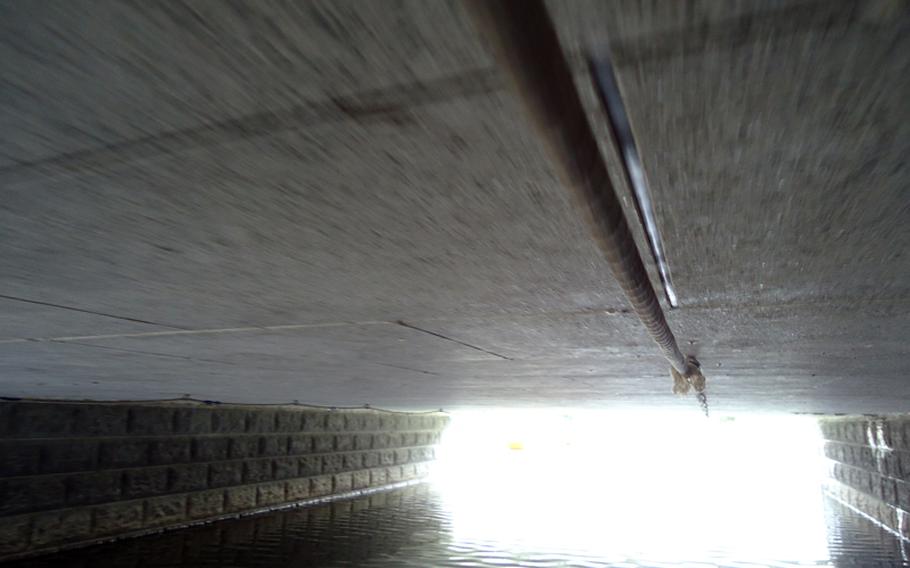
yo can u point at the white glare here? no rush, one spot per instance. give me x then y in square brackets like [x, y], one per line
[621, 485]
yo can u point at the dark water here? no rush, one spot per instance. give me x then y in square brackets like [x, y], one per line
[415, 527]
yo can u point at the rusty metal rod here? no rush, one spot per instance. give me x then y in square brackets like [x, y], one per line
[527, 47]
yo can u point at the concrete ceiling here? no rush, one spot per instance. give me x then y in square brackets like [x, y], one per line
[241, 201]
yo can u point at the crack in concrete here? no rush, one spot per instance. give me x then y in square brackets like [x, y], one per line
[84, 311]
[407, 369]
[441, 336]
[180, 331]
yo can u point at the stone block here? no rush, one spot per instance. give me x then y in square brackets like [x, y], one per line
[902, 491]
[342, 482]
[363, 441]
[57, 527]
[344, 443]
[371, 422]
[381, 441]
[903, 524]
[887, 515]
[352, 461]
[332, 463]
[188, 477]
[394, 473]
[321, 485]
[889, 464]
[270, 494]
[361, 479]
[397, 456]
[225, 473]
[26, 494]
[260, 421]
[309, 465]
[163, 511]
[93, 487]
[239, 498]
[300, 444]
[314, 421]
[145, 482]
[323, 444]
[284, 468]
[205, 504]
[151, 420]
[371, 459]
[378, 476]
[270, 446]
[20, 458]
[123, 453]
[354, 422]
[244, 447]
[887, 490]
[228, 421]
[211, 449]
[193, 420]
[255, 471]
[297, 489]
[15, 534]
[904, 434]
[335, 422]
[70, 455]
[289, 421]
[867, 458]
[170, 451]
[904, 461]
[100, 420]
[115, 518]
[41, 420]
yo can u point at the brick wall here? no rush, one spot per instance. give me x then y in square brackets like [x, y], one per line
[869, 466]
[72, 473]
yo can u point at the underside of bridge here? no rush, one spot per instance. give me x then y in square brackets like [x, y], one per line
[344, 203]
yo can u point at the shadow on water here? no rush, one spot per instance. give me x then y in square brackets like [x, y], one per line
[412, 527]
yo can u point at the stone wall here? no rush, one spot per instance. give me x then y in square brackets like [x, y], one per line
[869, 467]
[73, 473]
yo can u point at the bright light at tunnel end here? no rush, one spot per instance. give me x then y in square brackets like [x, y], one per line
[636, 484]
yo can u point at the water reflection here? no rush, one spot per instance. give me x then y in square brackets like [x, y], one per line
[582, 492]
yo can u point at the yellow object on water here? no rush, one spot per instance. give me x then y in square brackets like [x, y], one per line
[516, 446]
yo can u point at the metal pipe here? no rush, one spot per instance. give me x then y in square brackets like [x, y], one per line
[527, 47]
[605, 83]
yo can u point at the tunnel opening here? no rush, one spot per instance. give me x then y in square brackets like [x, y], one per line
[293, 485]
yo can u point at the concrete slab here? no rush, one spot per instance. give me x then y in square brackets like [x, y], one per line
[337, 167]
[449, 209]
[77, 77]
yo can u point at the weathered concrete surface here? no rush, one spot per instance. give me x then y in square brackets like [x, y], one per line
[239, 202]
